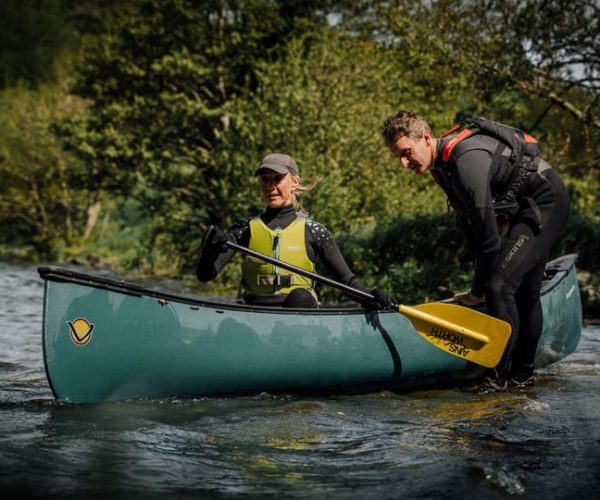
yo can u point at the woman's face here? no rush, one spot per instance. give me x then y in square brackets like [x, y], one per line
[277, 189]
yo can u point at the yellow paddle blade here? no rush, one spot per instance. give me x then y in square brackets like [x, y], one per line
[460, 331]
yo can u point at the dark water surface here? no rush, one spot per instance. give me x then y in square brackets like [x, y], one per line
[540, 443]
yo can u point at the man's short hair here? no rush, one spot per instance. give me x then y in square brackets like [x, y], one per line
[403, 123]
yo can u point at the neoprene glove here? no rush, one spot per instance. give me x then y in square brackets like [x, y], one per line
[382, 299]
[215, 240]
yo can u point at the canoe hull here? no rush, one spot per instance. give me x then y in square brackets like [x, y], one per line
[108, 340]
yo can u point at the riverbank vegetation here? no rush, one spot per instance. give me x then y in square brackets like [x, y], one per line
[126, 128]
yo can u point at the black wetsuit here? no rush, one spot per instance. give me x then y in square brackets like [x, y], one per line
[509, 273]
[319, 243]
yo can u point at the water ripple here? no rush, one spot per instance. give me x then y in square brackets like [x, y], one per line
[543, 441]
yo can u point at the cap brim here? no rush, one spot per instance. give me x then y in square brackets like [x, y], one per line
[265, 168]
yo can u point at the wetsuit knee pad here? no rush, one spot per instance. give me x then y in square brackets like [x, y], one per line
[301, 298]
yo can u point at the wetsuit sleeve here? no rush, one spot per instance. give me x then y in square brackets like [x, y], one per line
[320, 239]
[212, 261]
[472, 183]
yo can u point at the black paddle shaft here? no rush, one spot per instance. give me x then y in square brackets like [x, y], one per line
[354, 292]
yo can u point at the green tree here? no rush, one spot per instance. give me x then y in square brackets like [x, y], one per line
[186, 96]
[39, 206]
[162, 82]
[541, 48]
[323, 102]
[32, 34]
[534, 64]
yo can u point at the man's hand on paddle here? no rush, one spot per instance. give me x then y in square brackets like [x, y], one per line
[467, 299]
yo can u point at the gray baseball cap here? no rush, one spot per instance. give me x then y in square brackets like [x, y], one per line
[278, 162]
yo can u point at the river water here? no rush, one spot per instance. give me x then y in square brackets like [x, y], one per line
[543, 442]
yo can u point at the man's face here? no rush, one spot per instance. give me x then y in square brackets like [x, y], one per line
[414, 153]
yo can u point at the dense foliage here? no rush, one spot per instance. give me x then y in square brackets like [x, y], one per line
[32, 34]
[136, 124]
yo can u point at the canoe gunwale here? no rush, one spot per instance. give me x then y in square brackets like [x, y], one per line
[59, 274]
[554, 268]
[562, 265]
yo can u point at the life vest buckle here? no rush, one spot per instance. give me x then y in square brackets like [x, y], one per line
[280, 280]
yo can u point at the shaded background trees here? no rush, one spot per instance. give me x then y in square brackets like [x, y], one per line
[162, 109]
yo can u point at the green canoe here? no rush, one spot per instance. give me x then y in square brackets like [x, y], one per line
[106, 339]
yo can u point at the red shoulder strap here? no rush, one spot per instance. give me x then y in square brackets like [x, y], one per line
[450, 130]
[449, 146]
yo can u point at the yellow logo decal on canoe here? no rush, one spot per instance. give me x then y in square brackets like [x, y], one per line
[81, 331]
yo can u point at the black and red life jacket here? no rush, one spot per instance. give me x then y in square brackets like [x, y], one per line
[524, 157]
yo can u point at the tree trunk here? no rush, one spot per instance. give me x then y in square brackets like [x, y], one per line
[92, 217]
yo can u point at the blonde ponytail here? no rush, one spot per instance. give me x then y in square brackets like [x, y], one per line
[303, 189]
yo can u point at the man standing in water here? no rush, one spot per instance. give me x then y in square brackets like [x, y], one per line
[488, 170]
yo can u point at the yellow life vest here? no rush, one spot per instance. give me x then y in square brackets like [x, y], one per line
[288, 245]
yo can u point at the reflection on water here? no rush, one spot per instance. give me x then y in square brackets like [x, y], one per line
[541, 442]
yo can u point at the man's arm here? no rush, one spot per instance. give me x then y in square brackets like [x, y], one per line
[473, 185]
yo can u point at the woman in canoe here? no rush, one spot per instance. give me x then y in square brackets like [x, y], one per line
[282, 230]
